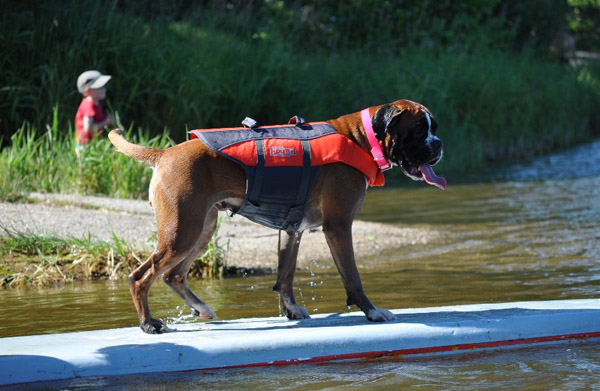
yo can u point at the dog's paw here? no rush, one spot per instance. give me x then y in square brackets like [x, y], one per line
[380, 315]
[153, 326]
[204, 312]
[293, 311]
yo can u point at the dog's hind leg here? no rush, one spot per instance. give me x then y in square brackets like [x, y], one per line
[177, 238]
[288, 253]
[140, 281]
[142, 278]
[176, 278]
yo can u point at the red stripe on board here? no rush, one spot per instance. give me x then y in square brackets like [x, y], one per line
[428, 350]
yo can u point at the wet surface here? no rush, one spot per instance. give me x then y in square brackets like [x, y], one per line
[529, 232]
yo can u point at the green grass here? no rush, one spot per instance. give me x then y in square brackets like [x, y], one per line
[42, 260]
[46, 162]
[212, 69]
[491, 107]
[29, 259]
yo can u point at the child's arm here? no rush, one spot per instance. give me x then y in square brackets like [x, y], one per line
[90, 126]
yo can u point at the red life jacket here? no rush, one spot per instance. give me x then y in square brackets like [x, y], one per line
[282, 163]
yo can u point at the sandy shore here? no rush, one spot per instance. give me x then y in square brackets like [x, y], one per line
[250, 245]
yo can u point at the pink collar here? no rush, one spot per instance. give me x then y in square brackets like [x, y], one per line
[376, 151]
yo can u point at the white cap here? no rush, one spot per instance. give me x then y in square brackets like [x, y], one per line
[91, 79]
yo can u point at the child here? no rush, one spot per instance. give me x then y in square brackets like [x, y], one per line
[90, 118]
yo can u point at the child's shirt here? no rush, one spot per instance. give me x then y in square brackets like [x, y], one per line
[87, 108]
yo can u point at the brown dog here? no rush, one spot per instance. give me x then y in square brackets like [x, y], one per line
[191, 183]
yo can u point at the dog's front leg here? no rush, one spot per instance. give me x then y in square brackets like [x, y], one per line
[288, 253]
[339, 239]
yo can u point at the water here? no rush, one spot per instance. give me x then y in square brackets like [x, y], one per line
[548, 368]
[529, 232]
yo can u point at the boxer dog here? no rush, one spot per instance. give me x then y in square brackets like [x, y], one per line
[191, 183]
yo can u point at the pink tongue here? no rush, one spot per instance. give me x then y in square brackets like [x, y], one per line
[431, 178]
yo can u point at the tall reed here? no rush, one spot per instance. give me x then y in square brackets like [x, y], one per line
[47, 162]
[29, 259]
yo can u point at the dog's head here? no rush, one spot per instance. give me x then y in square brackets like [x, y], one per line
[408, 131]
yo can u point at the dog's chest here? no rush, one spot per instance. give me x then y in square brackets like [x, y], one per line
[281, 164]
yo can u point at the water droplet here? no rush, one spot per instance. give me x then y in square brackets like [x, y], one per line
[280, 306]
[301, 296]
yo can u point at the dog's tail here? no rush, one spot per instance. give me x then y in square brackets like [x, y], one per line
[138, 152]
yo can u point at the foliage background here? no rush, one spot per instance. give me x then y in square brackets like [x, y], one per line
[484, 67]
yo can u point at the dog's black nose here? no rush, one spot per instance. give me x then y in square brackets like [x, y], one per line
[436, 145]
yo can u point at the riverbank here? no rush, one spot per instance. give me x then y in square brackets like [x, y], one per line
[246, 245]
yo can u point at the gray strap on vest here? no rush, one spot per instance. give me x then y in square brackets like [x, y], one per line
[260, 171]
[306, 161]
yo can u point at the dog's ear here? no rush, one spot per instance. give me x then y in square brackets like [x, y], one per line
[385, 118]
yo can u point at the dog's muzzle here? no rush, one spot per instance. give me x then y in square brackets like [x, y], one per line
[419, 167]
